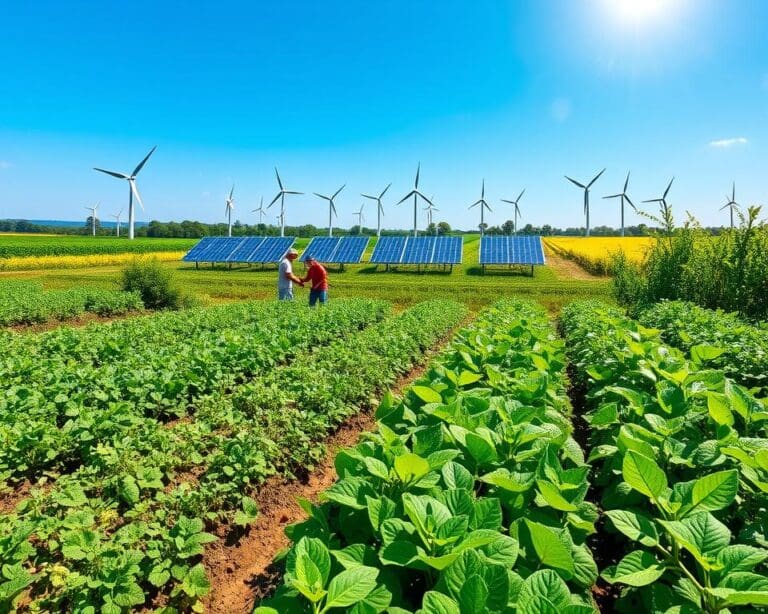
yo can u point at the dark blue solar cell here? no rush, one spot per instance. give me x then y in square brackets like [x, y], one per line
[388, 250]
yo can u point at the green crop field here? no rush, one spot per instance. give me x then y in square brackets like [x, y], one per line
[19, 246]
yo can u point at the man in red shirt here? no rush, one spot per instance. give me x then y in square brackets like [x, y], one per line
[317, 274]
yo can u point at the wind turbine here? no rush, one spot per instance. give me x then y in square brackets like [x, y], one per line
[416, 195]
[281, 196]
[132, 191]
[624, 197]
[429, 209]
[586, 193]
[379, 208]
[516, 210]
[230, 205]
[117, 219]
[93, 217]
[731, 204]
[663, 199]
[260, 210]
[483, 206]
[360, 217]
[331, 208]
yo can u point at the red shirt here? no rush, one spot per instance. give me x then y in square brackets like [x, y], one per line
[318, 275]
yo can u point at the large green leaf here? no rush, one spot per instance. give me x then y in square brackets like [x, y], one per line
[473, 595]
[438, 603]
[457, 476]
[711, 493]
[549, 548]
[644, 475]
[552, 496]
[638, 568]
[545, 584]
[635, 526]
[427, 394]
[410, 467]
[350, 586]
[703, 535]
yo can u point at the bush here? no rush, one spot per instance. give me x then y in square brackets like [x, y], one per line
[154, 284]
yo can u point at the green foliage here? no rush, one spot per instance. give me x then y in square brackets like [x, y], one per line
[729, 271]
[155, 284]
[30, 245]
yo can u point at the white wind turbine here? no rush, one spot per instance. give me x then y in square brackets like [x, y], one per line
[483, 206]
[260, 210]
[230, 205]
[663, 200]
[132, 191]
[379, 208]
[360, 217]
[586, 193]
[624, 197]
[429, 209]
[331, 208]
[731, 204]
[117, 221]
[416, 195]
[93, 217]
[516, 210]
[281, 197]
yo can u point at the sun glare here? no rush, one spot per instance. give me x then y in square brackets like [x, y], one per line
[638, 11]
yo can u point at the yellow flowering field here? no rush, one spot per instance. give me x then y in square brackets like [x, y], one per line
[594, 253]
[29, 263]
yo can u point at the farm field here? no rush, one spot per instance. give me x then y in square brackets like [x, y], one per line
[594, 253]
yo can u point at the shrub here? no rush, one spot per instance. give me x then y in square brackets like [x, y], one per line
[154, 284]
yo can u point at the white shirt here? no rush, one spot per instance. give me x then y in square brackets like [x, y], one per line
[285, 268]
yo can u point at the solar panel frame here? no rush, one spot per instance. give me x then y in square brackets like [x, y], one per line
[322, 248]
[350, 250]
[418, 250]
[388, 250]
[448, 250]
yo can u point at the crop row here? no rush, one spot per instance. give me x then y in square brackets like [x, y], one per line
[681, 460]
[35, 263]
[70, 390]
[131, 530]
[726, 341]
[25, 302]
[470, 497]
[21, 246]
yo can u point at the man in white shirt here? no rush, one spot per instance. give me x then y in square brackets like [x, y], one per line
[285, 276]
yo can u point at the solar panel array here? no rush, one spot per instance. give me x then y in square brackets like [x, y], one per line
[526, 250]
[239, 249]
[336, 250]
[418, 250]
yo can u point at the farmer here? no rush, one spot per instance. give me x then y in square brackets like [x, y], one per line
[285, 276]
[317, 274]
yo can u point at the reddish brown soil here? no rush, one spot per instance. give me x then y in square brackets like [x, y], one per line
[9, 500]
[568, 269]
[81, 320]
[242, 573]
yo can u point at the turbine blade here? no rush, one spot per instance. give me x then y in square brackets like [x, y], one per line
[631, 204]
[291, 192]
[654, 200]
[143, 162]
[418, 171]
[519, 197]
[232, 191]
[384, 191]
[279, 182]
[275, 199]
[574, 182]
[136, 193]
[114, 174]
[367, 196]
[589, 185]
[321, 196]
[613, 196]
[472, 206]
[668, 187]
[504, 200]
[337, 191]
[406, 197]
[626, 183]
[482, 190]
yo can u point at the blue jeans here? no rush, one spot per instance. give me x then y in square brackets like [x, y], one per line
[285, 294]
[317, 295]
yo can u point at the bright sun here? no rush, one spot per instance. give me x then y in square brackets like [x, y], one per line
[637, 11]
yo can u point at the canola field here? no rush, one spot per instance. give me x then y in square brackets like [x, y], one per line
[595, 253]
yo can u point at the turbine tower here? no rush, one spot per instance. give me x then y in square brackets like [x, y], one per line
[132, 191]
[117, 220]
[379, 208]
[360, 217]
[230, 205]
[516, 210]
[93, 217]
[731, 204]
[483, 206]
[624, 197]
[331, 208]
[663, 200]
[586, 193]
[260, 210]
[416, 195]
[281, 197]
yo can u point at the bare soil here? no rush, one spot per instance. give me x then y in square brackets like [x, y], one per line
[568, 269]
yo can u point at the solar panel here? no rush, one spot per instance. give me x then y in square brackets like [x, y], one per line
[350, 250]
[272, 249]
[418, 250]
[217, 249]
[246, 249]
[448, 250]
[511, 250]
[388, 250]
[322, 248]
[201, 247]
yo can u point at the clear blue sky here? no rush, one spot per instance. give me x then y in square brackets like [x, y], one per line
[517, 92]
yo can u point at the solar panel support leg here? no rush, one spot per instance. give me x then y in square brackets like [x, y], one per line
[197, 265]
[531, 270]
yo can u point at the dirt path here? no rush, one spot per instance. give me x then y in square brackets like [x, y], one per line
[242, 572]
[567, 269]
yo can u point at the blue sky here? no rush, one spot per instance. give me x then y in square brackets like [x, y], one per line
[518, 92]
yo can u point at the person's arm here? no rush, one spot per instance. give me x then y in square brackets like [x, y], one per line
[294, 279]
